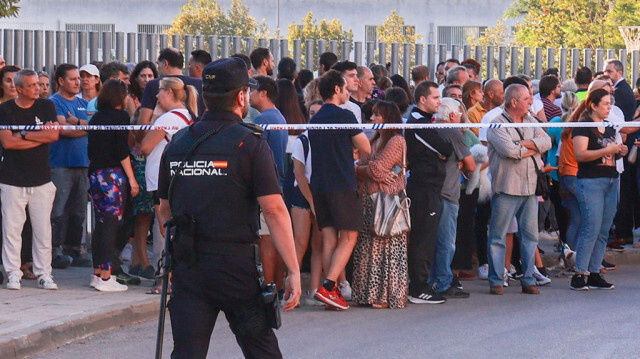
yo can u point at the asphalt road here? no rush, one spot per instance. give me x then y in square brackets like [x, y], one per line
[559, 323]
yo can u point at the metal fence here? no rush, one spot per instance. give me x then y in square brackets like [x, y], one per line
[40, 49]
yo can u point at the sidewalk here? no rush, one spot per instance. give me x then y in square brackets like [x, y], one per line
[33, 320]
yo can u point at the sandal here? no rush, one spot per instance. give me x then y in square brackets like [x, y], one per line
[156, 288]
[26, 271]
[380, 305]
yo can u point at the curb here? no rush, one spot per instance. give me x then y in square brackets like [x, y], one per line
[53, 334]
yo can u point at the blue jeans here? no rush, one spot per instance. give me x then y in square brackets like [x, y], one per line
[598, 200]
[503, 208]
[569, 186]
[441, 275]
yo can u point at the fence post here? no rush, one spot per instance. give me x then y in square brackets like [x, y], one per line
[575, 61]
[28, 49]
[284, 48]
[526, 61]
[624, 59]
[83, 47]
[333, 46]
[322, 46]
[273, 47]
[442, 52]
[37, 49]
[588, 58]
[502, 62]
[490, 62]
[224, 47]
[153, 47]
[563, 63]
[251, 44]
[107, 45]
[142, 47]
[419, 53]
[357, 53]
[164, 41]
[611, 54]
[599, 59]
[394, 58]
[466, 51]
[382, 53]
[175, 41]
[18, 47]
[538, 69]
[8, 46]
[371, 52]
[346, 50]
[431, 61]
[635, 60]
[213, 47]
[514, 61]
[48, 54]
[262, 43]
[406, 62]
[236, 44]
[297, 53]
[120, 46]
[479, 54]
[131, 46]
[200, 42]
[71, 47]
[551, 57]
[60, 47]
[455, 52]
[308, 55]
[188, 46]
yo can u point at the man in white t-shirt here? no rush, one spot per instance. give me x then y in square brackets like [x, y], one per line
[349, 71]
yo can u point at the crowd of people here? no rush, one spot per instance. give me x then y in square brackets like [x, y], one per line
[509, 186]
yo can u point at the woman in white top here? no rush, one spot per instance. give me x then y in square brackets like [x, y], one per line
[172, 98]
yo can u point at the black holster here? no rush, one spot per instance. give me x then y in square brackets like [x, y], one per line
[181, 231]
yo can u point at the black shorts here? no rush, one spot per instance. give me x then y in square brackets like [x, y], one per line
[298, 200]
[339, 209]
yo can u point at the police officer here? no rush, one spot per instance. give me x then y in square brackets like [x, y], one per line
[220, 186]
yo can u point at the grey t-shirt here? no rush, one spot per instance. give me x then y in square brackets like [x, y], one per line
[451, 187]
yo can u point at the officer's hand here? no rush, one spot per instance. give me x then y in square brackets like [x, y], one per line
[292, 292]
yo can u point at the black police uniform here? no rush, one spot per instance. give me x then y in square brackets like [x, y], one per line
[218, 186]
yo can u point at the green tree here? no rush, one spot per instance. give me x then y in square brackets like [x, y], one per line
[393, 29]
[493, 36]
[310, 29]
[8, 8]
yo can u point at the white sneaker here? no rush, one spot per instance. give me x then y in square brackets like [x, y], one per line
[345, 290]
[506, 277]
[45, 281]
[127, 253]
[94, 281]
[14, 281]
[540, 278]
[110, 285]
[483, 272]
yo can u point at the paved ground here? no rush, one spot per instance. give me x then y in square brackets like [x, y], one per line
[557, 324]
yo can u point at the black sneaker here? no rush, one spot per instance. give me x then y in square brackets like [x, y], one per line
[79, 261]
[61, 261]
[579, 282]
[454, 292]
[428, 296]
[147, 273]
[608, 266]
[455, 282]
[124, 278]
[596, 281]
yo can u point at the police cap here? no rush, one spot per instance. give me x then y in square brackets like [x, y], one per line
[224, 75]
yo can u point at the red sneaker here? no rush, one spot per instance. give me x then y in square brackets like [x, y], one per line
[332, 298]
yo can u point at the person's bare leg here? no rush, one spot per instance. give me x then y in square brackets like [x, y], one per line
[301, 221]
[342, 254]
[268, 256]
[538, 258]
[329, 243]
[316, 257]
[142, 224]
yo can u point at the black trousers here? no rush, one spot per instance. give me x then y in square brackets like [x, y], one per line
[216, 283]
[628, 215]
[465, 232]
[425, 215]
[483, 216]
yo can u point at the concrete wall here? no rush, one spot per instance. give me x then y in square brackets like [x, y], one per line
[426, 15]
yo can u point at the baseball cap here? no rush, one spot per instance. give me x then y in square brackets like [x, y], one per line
[90, 69]
[224, 75]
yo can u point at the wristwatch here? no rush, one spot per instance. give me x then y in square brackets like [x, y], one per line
[23, 133]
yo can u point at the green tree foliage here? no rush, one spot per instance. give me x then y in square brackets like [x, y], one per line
[493, 36]
[310, 29]
[8, 8]
[393, 29]
[573, 23]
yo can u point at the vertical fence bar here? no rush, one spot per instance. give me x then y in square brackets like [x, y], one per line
[479, 54]
[120, 46]
[273, 47]
[175, 41]
[284, 48]
[419, 48]
[599, 59]
[164, 42]
[538, 68]
[490, 62]
[466, 51]
[224, 47]
[38, 46]
[153, 46]
[442, 52]
[213, 47]
[551, 57]
[308, 54]
[200, 42]
[635, 61]
[131, 46]
[262, 43]
[624, 59]
[7, 50]
[611, 54]
[142, 47]
[18, 47]
[588, 58]
[431, 60]
[406, 61]
[346, 50]
[297, 53]
[502, 62]
[322, 46]
[357, 53]
[188, 46]
[71, 47]
[526, 61]
[83, 47]
[28, 49]
[563, 63]
[395, 48]
[575, 61]
[49, 52]
[333, 46]
[236, 44]
[371, 52]
[455, 52]
[515, 64]
[382, 53]
[251, 44]
[107, 46]
[60, 37]
[93, 45]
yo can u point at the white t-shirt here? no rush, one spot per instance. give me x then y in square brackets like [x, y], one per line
[153, 160]
[353, 108]
[487, 118]
[298, 154]
[537, 106]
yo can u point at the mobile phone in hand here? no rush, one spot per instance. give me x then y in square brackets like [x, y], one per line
[396, 169]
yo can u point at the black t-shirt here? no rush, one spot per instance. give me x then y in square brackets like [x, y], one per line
[601, 167]
[108, 148]
[332, 166]
[26, 168]
[149, 99]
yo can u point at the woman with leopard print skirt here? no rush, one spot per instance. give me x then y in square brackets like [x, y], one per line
[380, 273]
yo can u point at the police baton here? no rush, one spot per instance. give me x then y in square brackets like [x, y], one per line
[164, 268]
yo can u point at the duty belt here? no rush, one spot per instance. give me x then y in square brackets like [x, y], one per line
[225, 248]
